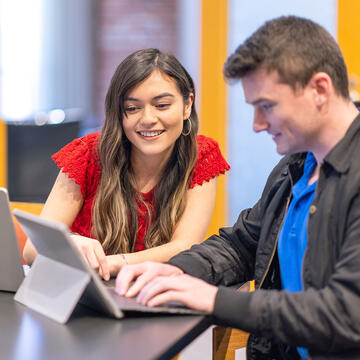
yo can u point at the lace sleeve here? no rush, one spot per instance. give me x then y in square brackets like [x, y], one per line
[210, 161]
[78, 159]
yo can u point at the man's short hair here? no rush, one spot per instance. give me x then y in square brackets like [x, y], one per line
[296, 48]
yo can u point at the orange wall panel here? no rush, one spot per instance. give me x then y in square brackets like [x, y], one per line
[213, 90]
[3, 154]
[348, 38]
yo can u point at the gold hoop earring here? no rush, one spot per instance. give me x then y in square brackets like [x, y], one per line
[189, 129]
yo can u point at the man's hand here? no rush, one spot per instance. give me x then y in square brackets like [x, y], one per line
[192, 292]
[94, 254]
[141, 273]
[157, 283]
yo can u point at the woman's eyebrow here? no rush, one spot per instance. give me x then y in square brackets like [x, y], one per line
[162, 95]
[131, 99]
[157, 97]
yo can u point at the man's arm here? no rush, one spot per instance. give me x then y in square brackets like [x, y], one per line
[227, 258]
[326, 319]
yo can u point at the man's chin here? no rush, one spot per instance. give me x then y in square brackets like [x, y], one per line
[283, 151]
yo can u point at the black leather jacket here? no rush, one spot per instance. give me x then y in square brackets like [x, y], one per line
[325, 317]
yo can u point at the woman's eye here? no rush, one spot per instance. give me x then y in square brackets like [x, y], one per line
[162, 106]
[131, 109]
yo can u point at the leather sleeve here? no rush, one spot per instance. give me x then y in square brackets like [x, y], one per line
[325, 320]
[229, 258]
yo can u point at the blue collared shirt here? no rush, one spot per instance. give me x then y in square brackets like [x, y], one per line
[293, 234]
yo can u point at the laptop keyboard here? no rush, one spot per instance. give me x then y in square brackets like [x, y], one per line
[130, 304]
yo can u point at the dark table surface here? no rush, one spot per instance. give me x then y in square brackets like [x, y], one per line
[27, 335]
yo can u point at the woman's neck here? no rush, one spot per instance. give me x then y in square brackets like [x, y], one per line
[147, 169]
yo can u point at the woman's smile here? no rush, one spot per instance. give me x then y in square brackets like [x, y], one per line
[150, 135]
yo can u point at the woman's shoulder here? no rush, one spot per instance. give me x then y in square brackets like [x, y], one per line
[208, 149]
[90, 140]
[82, 146]
[79, 160]
[210, 161]
[205, 142]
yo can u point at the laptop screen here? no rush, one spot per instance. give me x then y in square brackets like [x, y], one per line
[11, 269]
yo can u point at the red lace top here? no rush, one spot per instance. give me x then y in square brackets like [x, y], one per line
[79, 159]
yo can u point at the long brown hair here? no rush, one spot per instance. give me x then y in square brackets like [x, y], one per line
[115, 212]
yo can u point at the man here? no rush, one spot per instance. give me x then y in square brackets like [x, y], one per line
[301, 240]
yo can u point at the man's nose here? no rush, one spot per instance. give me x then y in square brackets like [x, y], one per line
[259, 123]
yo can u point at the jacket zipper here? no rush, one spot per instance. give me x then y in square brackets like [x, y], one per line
[277, 236]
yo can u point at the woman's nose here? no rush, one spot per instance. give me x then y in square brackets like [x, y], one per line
[148, 116]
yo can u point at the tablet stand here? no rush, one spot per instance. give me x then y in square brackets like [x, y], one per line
[52, 288]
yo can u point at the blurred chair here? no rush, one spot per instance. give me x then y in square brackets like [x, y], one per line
[31, 172]
[226, 340]
[34, 208]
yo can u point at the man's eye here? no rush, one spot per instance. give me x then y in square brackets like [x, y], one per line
[267, 107]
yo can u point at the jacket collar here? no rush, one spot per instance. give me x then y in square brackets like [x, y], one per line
[295, 165]
[340, 155]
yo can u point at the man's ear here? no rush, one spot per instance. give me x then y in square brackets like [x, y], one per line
[322, 87]
[188, 106]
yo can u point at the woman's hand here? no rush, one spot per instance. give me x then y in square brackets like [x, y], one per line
[94, 254]
[115, 263]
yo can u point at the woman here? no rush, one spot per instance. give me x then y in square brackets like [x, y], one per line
[144, 188]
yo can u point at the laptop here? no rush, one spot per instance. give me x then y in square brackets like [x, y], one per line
[60, 277]
[11, 266]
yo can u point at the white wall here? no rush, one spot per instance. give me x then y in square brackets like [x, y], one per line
[46, 56]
